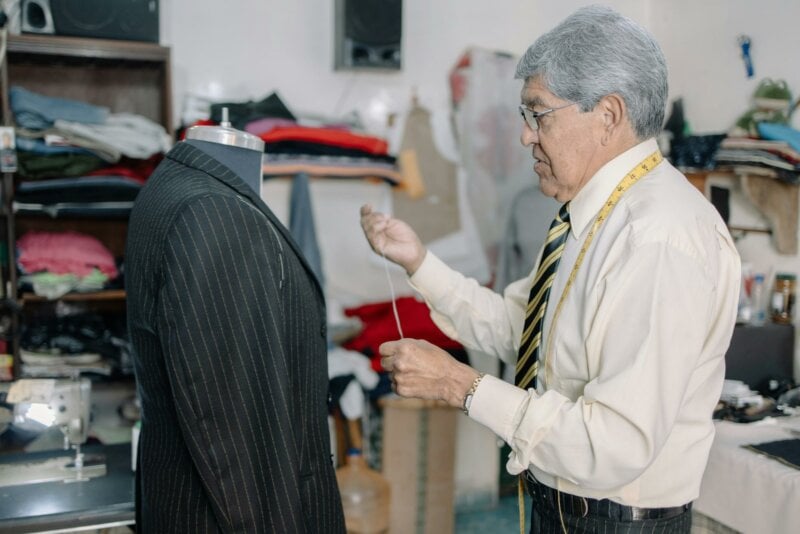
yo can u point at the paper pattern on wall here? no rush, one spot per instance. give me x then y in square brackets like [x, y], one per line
[436, 213]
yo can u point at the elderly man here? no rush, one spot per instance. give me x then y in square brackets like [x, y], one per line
[619, 333]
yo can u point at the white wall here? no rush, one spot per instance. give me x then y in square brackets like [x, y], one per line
[244, 49]
[700, 42]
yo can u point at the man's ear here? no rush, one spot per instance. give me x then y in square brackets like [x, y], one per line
[614, 114]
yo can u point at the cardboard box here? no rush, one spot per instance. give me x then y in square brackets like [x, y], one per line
[418, 461]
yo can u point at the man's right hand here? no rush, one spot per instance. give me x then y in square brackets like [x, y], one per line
[393, 238]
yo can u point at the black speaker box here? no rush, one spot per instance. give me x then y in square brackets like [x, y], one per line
[133, 20]
[368, 34]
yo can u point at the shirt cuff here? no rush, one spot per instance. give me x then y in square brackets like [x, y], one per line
[494, 405]
[427, 279]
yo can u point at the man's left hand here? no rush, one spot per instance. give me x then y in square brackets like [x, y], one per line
[422, 370]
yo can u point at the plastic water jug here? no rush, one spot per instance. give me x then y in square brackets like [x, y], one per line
[365, 496]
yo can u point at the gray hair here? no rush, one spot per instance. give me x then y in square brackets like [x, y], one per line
[597, 52]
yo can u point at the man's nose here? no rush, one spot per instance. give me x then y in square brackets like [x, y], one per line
[528, 135]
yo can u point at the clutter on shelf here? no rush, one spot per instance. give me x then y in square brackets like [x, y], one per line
[762, 143]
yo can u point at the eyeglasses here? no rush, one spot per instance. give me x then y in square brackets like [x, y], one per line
[531, 117]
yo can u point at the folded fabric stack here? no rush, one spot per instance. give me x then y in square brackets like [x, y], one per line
[56, 263]
[316, 148]
[774, 154]
[327, 152]
[57, 346]
[762, 142]
[70, 140]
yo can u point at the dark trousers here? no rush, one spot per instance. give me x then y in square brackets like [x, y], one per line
[578, 515]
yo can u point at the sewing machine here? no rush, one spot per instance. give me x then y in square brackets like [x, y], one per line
[43, 403]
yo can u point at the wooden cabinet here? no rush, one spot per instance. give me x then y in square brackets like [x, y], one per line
[124, 76]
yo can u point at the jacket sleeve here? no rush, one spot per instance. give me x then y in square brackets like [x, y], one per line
[220, 323]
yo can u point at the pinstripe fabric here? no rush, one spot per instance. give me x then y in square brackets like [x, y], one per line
[228, 326]
[530, 345]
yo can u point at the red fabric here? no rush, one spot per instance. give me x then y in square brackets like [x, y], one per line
[64, 253]
[202, 122]
[380, 326]
[135, 169]
[328, 136]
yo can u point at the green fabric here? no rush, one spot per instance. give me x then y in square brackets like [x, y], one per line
[33, 166]
[53, 286]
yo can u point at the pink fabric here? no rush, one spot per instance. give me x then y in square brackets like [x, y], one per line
[64, 253]
[260, 126]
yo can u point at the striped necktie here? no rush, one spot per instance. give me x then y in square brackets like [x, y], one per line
[529, 348]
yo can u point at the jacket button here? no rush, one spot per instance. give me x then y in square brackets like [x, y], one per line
[323, 330]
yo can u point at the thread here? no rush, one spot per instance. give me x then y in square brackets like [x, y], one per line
[391, 291]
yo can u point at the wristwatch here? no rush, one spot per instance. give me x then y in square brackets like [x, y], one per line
[468, 397]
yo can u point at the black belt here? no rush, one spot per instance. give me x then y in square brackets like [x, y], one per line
[584, 506]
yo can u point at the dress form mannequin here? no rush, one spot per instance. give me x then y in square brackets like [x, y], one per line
[228, 325]
[239, 151]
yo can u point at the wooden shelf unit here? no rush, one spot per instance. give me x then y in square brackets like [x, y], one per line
[124, 76]
[105, 295]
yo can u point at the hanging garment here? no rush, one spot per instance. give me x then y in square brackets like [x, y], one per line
[301, 225]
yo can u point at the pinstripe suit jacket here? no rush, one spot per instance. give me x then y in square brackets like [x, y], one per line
[228, 326]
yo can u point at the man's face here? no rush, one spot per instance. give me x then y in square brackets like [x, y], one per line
[565, 144]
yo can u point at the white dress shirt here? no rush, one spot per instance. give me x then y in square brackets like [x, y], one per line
[634, 364]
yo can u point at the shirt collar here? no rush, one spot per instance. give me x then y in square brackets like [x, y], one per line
[587, 203]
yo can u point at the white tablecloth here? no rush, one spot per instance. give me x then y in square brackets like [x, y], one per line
[747, 491]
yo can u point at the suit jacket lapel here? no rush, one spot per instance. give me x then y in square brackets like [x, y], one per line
[190, 156]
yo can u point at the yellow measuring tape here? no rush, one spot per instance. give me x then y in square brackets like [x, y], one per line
[640, 170]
